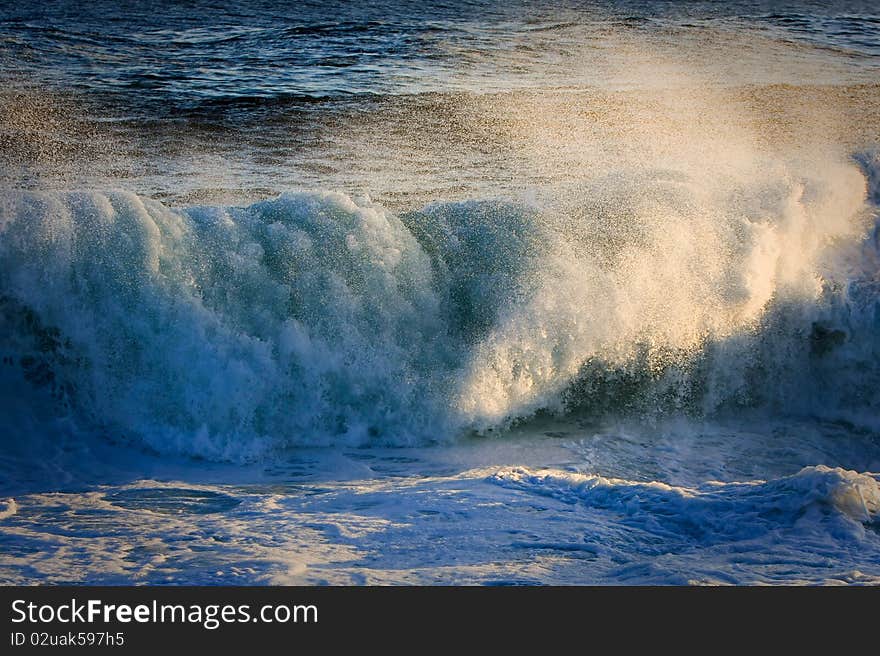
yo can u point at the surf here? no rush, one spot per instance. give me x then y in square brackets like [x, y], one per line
[316, 318]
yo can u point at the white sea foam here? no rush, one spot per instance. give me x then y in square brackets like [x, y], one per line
[830, 499]
[315, 318]
[460, 514]
[10, 509]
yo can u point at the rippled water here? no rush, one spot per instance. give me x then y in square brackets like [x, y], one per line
[191, 53]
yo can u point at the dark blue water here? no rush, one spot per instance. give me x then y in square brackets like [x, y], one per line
[191, 52]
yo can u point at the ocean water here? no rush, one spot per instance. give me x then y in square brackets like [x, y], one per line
[476, 293]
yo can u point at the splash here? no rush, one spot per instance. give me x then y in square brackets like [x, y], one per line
[682, 257]
[315, 318]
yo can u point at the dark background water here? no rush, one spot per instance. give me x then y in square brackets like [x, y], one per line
[214, 102]
[185, 53]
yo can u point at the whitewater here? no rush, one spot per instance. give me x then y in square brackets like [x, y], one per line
[604, 311]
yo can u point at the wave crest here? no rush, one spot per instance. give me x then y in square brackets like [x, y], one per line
[315, 318]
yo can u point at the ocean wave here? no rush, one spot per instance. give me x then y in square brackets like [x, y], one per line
[317, 318]
[843, 502]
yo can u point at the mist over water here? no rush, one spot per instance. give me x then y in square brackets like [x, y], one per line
[677, 258]
[650, 229]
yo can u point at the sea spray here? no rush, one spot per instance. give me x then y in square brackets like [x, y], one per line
[314, 318]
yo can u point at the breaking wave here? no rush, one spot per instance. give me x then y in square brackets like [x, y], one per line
[318, 318]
